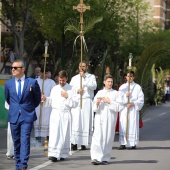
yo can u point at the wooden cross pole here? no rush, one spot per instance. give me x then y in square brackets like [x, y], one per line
[127, 117]
[81, 7]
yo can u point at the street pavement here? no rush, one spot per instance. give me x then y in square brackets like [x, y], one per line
[153, 152]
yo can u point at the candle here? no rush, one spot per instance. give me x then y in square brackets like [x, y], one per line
[46, 46]
[130, 62]
[130, 59]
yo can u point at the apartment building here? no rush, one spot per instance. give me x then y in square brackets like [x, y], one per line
[161, 13]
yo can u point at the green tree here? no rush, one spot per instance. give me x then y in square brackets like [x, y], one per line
[18, 12]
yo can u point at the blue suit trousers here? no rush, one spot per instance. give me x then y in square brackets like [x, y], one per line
[21, 132]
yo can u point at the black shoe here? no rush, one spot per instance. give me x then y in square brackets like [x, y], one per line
[73, 147]
[83, 147]
[62, 159]
[47, 138]
[38, 139]
[10, 157]
[95, 162]
[133, 147]
[104, 163]
[121, 147]
[49, 157]
[53, 159]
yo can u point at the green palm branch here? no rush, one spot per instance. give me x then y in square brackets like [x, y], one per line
[143, 75]
[74, 26]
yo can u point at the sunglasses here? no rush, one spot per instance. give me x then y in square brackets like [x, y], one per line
[15, 68]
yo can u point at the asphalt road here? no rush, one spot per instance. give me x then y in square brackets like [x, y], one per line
[153, 152]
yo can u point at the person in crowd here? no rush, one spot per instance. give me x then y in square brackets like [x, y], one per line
[49, 74]
[117, 121]
[10, 145]
[62, 99]
[41, 125]
[129, 133]
[166, 91]
[82, 116]
[37, 72]
[106, 104]
[23, 95]
[11, 56]
[56, 78]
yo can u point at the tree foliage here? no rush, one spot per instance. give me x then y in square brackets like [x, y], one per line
[18, 12]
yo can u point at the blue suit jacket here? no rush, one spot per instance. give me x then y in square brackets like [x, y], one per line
[31, 97]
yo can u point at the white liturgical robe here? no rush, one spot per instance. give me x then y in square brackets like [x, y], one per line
[82, 118]
[43, 131]
[104, 123]
[60, 120]
[136, 97]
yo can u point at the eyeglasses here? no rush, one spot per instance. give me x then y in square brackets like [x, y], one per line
[15, 68]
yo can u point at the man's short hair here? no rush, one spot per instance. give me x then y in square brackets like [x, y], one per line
[107, 76]
[62, 74]
[131, 72]
[85, 62]
[20, 61]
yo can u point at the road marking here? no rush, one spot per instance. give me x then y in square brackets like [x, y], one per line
[146, 120]
[50, 162]
[162, 114]
[42, 165]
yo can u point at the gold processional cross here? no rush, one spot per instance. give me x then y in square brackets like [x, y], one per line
[81, 7]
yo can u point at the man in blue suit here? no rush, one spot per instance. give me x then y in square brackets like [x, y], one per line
[23, 95]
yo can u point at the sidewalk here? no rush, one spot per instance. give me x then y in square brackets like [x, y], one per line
[153, 152]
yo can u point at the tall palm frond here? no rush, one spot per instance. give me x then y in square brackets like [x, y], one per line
[147, 59]
[143, 75]
[74, 26]
[89, 25]
[100, 71]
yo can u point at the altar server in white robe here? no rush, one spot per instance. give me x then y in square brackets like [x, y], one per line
[106, 104]
[135, 105]
[10, 144]
[62, 99]
[82, 118]
[44, 119]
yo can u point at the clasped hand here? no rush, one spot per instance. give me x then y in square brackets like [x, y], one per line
[129, 105]
[43, 97]
[64, 94]
[80, 91]
[105, 100]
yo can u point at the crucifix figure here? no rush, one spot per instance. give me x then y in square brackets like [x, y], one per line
[81, 7]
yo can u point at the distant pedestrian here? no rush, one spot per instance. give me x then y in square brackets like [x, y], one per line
[37, 72]
[41, 125]
[10, 144]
